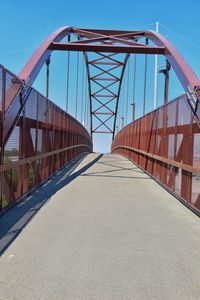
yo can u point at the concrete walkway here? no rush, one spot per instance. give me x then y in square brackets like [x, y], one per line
[110, 233]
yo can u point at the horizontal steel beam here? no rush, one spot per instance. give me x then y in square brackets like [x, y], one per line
[104, 96]
[106, 63]
[103, 113]
[107, 48]
[104, 79]
[109, 132]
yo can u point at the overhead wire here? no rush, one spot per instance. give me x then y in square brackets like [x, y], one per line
[180, 36]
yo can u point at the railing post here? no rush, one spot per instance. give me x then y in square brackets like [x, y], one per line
[3, 95]
[36, 143]
[187, 158]
[22, 153]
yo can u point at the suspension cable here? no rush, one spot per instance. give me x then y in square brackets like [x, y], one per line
[85, 108]
[145, 79]
[122, 104]
[88, 113]
[82, 95]
[68, 62]
[127, 92]
[77, 85]
[134, 86]
[118, 113]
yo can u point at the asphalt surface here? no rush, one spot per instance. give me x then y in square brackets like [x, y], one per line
[107, 231]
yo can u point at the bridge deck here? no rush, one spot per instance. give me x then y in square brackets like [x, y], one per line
[110, 233]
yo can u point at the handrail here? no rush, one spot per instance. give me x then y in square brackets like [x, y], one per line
[168, 161]
[23, 161]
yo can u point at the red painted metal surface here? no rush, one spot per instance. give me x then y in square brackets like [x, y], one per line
[43, 140]
[114, 41]
[165, 143]
[108, 48]
[180, 66]
[41, 55]
[37, 137]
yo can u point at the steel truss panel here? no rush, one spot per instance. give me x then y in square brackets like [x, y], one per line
[104, 98]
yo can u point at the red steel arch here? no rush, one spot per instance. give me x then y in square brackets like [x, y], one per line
[102, 41]
[111, 41]
[39, 57]
[185, 74]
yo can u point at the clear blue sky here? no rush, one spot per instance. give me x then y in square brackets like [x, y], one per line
[25, 24]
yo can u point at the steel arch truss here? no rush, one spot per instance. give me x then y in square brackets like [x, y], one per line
[106, 44]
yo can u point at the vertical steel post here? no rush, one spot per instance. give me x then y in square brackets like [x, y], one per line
[3, 92]
[133, 111]
[145, 80]
[68, 60]
[134, 87]
[86, 106]
[122, 104]
[47, 76]
[187, 158]
[122, 118]
[166, 92]
[155, 76]
[127, 94]
[82, 94]
[77, 85]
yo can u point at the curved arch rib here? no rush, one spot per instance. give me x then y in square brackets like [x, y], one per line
[30, 71]
[28, 74]
[103, 41]
[185, 74]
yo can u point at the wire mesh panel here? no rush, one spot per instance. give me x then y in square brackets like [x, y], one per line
[42, 140]
[166, 144]
[12, 87]
[1, 90]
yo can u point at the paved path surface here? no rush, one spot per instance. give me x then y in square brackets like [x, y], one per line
[111, 233]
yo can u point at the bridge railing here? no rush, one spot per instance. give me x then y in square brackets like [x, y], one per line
[43, 140]
[165, 143]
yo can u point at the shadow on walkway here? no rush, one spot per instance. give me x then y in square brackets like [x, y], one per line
[119, 169]
[14, 220]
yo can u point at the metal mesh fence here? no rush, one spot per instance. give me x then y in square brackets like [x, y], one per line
[166, 144]
[43, 140]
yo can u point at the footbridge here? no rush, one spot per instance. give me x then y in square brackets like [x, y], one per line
[77, 224]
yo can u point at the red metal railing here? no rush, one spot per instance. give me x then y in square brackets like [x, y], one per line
[165, 143]
[43, 139]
